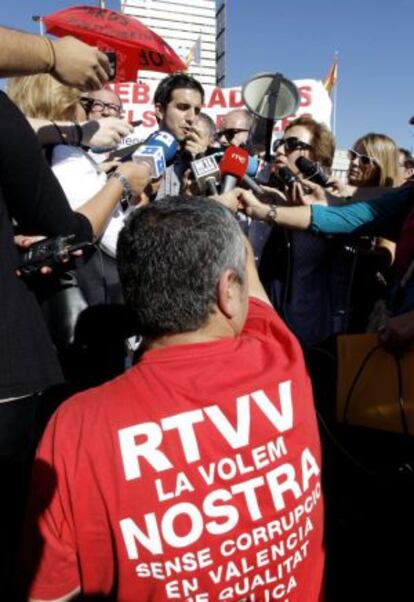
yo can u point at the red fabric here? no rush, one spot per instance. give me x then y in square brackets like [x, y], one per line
[235, 457]
[136, 46]
[405, 247]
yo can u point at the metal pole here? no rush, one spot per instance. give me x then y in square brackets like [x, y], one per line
[101, 3]
[335, 96]
[38, 19]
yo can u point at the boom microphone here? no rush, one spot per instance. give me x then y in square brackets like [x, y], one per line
[312, 171]
[158, 151]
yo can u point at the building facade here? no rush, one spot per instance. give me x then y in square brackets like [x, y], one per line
[340, 165]
[189, 27]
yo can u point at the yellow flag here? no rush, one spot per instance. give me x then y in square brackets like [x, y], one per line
[331, 78]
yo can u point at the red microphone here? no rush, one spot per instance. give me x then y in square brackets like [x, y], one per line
[233, 167]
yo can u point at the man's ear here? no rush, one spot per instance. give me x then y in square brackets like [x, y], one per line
[159, 111]
[228, 294]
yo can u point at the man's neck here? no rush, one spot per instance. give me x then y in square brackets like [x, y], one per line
[216, 329]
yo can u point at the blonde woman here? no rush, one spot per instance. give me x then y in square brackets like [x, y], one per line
[42, 97]
[95, 280]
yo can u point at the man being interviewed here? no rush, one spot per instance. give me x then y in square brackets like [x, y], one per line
[196, 474]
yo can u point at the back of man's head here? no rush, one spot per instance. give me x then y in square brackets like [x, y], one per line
[171, 255]
[166, 87]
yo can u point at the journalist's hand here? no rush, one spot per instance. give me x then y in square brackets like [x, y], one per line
[80, 65]
[105, 132]
[137, 174]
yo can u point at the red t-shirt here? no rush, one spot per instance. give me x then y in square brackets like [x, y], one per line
[194, 476]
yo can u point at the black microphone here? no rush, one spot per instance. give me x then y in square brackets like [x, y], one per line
[285, 176]
[312, 171]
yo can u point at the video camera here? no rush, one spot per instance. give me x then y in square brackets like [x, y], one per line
[48, 253]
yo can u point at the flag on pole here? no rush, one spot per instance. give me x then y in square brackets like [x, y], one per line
[194, 55]
[332, 76]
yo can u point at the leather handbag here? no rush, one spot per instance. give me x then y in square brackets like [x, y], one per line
[375, 387]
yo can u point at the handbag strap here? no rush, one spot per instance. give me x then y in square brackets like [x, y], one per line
[400, 401]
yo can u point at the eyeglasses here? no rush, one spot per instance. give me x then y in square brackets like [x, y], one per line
[364, 159]
[98, 106]
[229, 133]
[291, 144]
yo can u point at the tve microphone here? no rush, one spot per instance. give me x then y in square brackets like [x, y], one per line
[218, 153]
[312, 171]
[159, 149]
[207, 174]
[233, 167]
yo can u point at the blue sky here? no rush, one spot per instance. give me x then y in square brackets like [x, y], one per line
[374, 40]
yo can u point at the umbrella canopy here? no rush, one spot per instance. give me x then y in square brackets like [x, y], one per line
[136, 46]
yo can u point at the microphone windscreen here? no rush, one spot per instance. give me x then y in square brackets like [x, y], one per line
[234, 162]
[165, 141]
[312, 171]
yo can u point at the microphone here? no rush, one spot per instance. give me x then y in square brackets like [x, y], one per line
[285, 176]
[158, 151]
[233, 167]
[206, 173]
[252, 166]
[312, 171]
[218, 154]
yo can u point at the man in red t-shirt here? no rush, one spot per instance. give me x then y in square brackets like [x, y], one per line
[196, 475]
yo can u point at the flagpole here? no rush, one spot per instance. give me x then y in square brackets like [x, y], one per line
[335, 97]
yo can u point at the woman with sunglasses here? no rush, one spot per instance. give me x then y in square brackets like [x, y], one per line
[373, 167]
[304, 137]
[301, 272]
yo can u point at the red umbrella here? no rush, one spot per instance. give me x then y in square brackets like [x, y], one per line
[136, 46]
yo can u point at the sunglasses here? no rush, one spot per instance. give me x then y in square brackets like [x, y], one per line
[364, 159]
[291, 144]
[229, 133]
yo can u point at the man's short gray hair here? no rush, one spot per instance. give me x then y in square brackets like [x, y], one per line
[171, 255]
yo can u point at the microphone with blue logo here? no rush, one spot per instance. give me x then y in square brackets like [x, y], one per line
[158, 152]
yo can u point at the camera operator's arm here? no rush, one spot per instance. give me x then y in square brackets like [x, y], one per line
[103, 132]
[69, 60]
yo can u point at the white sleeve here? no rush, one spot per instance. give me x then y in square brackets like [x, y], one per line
[77, 174]
[109, 238]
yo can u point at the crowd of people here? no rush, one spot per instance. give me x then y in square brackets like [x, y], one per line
[167, 394]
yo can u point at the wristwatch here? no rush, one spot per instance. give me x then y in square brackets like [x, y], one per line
[271, 216]
[127, 193]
